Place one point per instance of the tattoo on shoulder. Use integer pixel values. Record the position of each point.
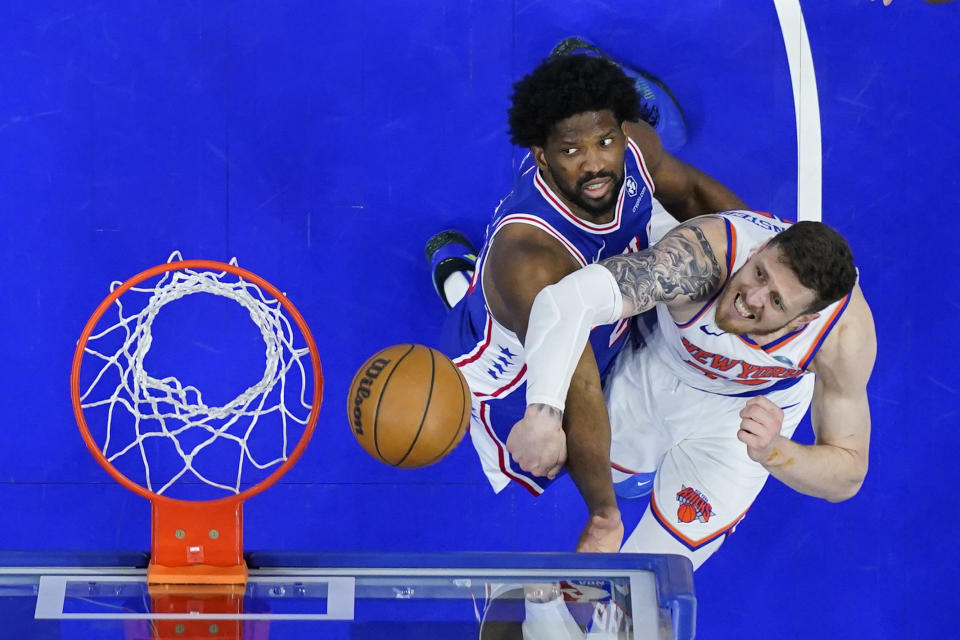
(681, 264)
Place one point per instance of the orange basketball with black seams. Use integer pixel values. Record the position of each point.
(408, 405)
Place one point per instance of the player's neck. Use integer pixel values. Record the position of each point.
(767, 338)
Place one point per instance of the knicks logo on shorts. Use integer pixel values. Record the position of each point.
(693, 506)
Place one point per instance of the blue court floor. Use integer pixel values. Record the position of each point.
(322, 145)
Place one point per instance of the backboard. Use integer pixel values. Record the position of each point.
(353, 596)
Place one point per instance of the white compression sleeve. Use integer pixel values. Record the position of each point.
(560, 322)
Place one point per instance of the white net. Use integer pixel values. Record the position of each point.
(164, 422)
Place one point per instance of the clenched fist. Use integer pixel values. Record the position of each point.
(538, 443)
(760, 422)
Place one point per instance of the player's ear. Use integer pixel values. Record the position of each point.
(540, 157)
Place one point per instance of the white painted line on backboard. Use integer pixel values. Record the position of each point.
(51, 598)
(807, 110)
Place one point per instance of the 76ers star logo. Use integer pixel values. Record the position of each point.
(693, 506)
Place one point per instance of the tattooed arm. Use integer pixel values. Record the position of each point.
(682, 270)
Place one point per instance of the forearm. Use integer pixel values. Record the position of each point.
(560, 322)
(588, 439)
(820, 470)
(705, 195)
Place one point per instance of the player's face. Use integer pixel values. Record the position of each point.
(763, 297)
(583, 161)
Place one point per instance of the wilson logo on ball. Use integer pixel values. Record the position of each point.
(408, 405)
(363, 391)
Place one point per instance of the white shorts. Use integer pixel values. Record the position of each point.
(705, 481)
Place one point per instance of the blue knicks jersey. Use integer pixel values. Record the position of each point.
(489, 355)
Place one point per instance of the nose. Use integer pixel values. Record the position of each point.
(756, 297)
(592, 161)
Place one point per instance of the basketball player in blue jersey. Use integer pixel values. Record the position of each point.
(757, 320)
(586, 195)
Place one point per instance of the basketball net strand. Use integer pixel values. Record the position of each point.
(178, 408)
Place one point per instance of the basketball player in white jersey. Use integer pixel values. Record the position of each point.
(757, 320)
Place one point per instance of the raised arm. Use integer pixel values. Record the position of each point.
(685, 268)
(833, 468)
(683, 190)
(521, 262)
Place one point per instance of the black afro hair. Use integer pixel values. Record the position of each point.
(565, 86)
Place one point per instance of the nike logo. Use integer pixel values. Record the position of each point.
(707, 331)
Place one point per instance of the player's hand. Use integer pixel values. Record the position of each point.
(760, 422)
(603, 534)
(538, 443)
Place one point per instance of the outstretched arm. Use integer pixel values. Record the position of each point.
(522, 261)
(682, 189)
(587, 427)
(680, 268)
(833, 468)
(686, 267)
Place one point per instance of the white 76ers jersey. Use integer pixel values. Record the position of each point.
(709, 359)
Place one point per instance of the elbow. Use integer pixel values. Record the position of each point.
(848, 487)
(850, 470)
(845, 493)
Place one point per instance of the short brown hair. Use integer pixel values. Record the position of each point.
(821, 258)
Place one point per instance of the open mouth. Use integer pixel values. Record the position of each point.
(741, 308)
(597, 188)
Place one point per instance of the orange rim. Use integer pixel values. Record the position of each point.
(212, 266)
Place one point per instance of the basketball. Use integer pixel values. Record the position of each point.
(408, 405)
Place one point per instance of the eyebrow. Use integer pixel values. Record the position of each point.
(610, 133)
(570, 142)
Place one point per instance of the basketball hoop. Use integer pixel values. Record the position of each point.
(195, 541)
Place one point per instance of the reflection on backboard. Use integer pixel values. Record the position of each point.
(353, 596)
